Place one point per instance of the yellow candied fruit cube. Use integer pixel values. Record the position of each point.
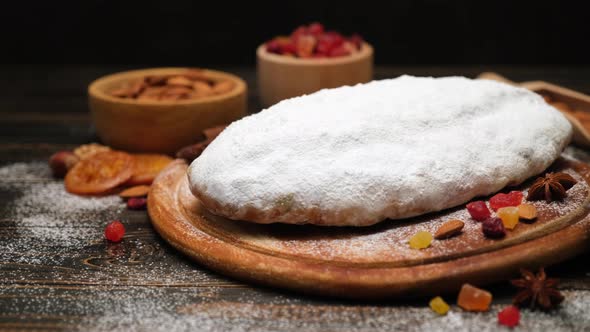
(509, 216)
(420, 240)
(439, 306)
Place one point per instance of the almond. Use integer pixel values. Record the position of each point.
(180, 81)
(196, 75)
(223, 87)
(527, 211)
(202, 89)
(449, 229)
(137, 191)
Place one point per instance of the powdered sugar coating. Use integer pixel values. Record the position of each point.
(387, 149)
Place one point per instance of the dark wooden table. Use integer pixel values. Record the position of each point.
(57, 273)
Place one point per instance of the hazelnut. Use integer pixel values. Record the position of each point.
(61, 162)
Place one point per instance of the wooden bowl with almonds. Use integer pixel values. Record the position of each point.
(163, 109)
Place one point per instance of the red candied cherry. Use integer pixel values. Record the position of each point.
(509, 316)
(478, 210)
(114, 231)
(316, 29)
(513, 198)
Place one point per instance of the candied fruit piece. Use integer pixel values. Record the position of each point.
(114, 231)
(341, 50)
(439, 306)
(527, 211)
(493, 228)
(478, 210)
(509, 316)
(513, 198)
(305, 46)
(509, 216)
(137, 203)
(273, 46)
(316, 29)
(420, 240)
(472, 298)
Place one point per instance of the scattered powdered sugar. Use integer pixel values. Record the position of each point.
(151, 312)
(43, 213)
(54, 227)
(24, 172)
(387, 149)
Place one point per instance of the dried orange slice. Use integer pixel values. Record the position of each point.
(99, 173)
(147, 166)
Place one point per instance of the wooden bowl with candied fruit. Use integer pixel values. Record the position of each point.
(311, 58)
(163, 109)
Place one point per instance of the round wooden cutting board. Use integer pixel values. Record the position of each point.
(369, 262)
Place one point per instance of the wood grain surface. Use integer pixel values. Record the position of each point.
(144, 284)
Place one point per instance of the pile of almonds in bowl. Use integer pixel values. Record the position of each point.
(190, 85)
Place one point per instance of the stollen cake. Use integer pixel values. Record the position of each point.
(396, 148)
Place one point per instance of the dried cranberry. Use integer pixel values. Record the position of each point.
(478, 210)
(316, 29)
(513, 198)
(274, 46)
(357, 40)
(339, 51)
(510, 316)
(493, 228)
(114, 231)
(299, 32)
(137, 203)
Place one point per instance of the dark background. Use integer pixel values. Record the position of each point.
(201, 33)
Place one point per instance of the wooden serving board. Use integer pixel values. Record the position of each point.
(368, 262)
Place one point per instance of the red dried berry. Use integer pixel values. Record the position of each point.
(299, 32)
(478, 210)
(316, 29)
(493, 228)
(357, 40)
(339, 51)
(137, 203)
(509, 316)
(274, 46)
(513, 198)
(114, 231)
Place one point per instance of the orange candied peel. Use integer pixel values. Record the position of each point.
(472, 298)
(147, 167)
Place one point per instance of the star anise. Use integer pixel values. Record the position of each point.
(537, 290)
(552, 186)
